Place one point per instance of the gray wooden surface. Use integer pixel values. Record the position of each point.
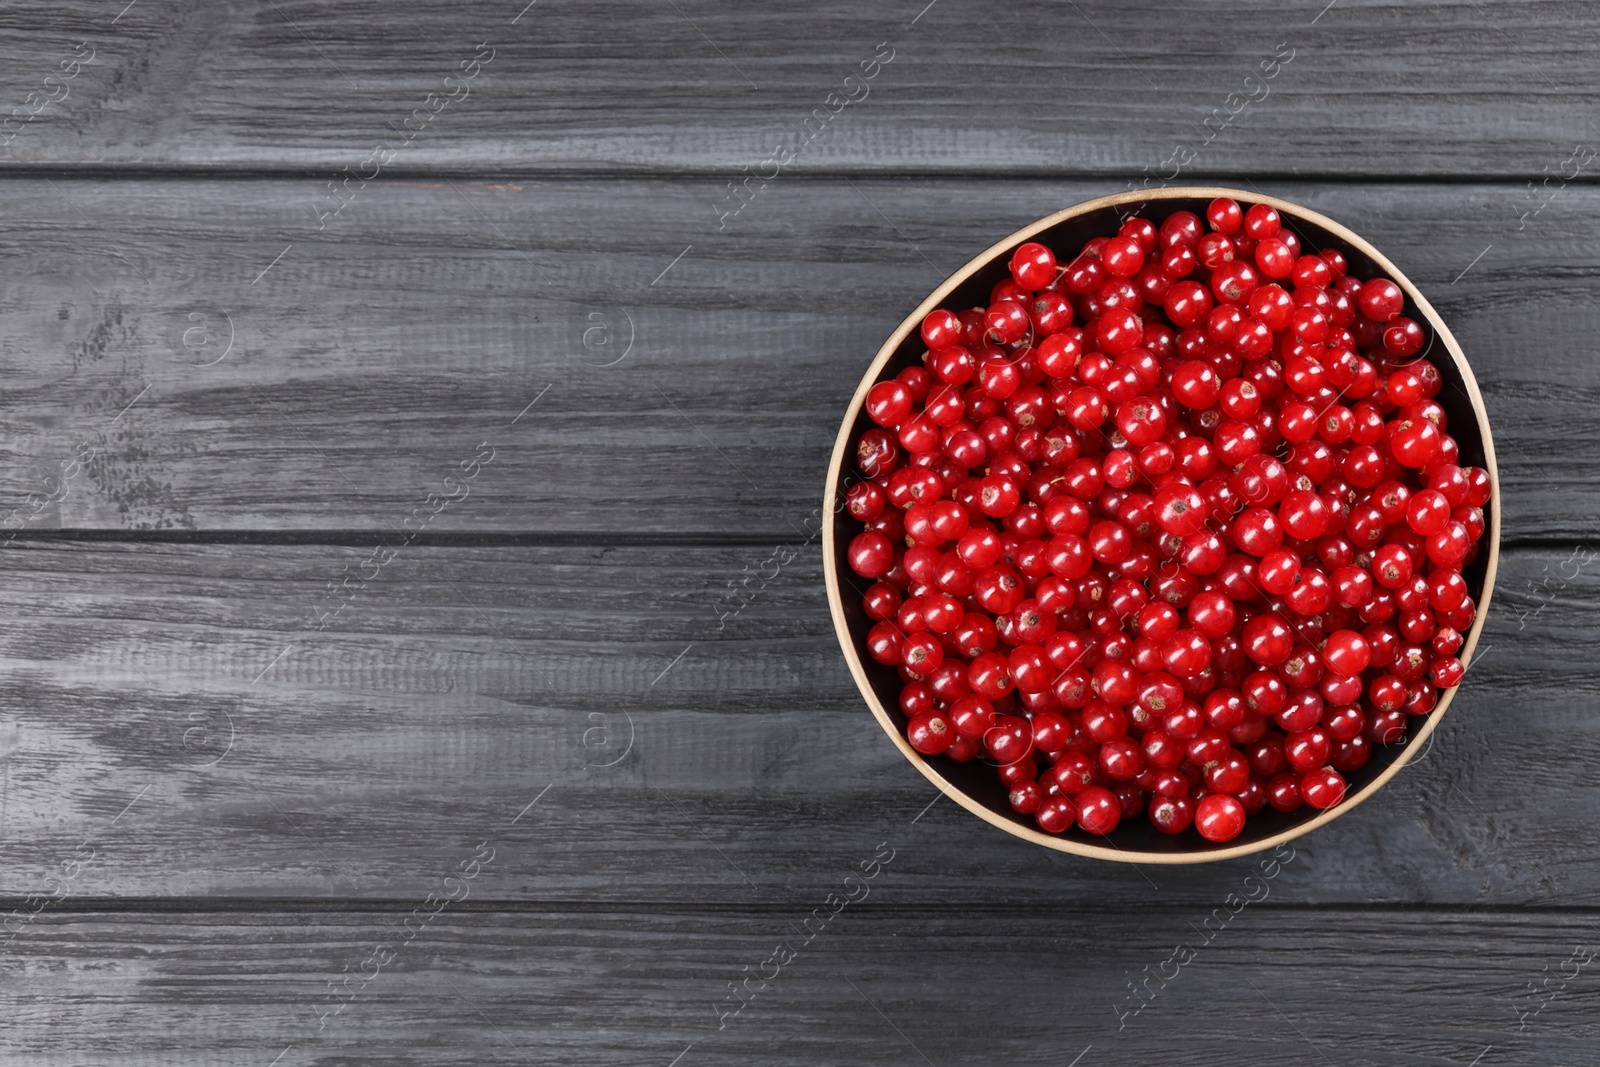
(374, 685)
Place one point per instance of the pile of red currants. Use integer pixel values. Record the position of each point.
(1176, 528)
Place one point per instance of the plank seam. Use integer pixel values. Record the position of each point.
(88, 907)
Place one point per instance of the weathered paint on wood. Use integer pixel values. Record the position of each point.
(1120, 91)
(878, 981)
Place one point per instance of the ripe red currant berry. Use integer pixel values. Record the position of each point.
(1033, 265)
(1171, 815)
(1141, 230)
(1052, 312)
(1058, 354)
(1391, 566)
(1262, 221)
(1346, 652)
(1230, 774)
(918, 434)
(989, 674)
(941, 329)
(870, 554)
(1051, 732)
(930, 733)
(1179, 228)
(1056, 814)
(1213, 250)
(1304, 515)
(1403, 338)
(881, 601)
(1187, 304)
(922, 653)
(1006, 321)
(1278, 571)
(1195, 384)
(1180, 509)
(1386, 727)
(1119, 330)
(942, 614)
(1446, 642)
(1260, 481)
(1141, 421)
(876, 453)
(1123, 257)
(1267, 640)
(1380, 300)
(1323, 788)
(972, 716)
(999, 589)
(1186, 653)
(1271, 305)
(1447, 672)
(865, 501)
(1283, 792)
(1009, 740)
(916, 698)
(1449, 547)
(1025, 797)
(1212, 614)
(889, 404)
(1256, 531)
(1421, 699)
(884, 642)
(1447, 591)
(1307, 749)
(1274, 258)
(1099, 810)
(1234, 281)
(1122, 759)
(954, 366)
(1427, 512)
(1239, 398)
(1219, 817)
(998, 496)
(1225, 215)
(1312, 272)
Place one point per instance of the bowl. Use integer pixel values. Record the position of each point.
(974, 785)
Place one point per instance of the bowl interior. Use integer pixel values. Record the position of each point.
(978, 780)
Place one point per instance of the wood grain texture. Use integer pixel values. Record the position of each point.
(688, 382)
(882, 984)
(1098, 88)
(669, 760)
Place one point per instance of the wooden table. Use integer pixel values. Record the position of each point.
(415, 648)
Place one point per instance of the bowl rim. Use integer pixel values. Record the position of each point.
(832, 497)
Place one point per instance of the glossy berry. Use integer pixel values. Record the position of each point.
(930, 733)
(1098, 810)
(1219, 818)
(1033, 266)
(1323, 788)
(1380, 300)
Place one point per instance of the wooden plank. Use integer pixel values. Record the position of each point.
(370, 361)
(882, 984)
(175, 708)
(1101, 88)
